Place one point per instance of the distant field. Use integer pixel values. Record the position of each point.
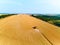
(55, 22)
(50, 19)
(5, 15)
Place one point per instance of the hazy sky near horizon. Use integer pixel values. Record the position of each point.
(30, 6)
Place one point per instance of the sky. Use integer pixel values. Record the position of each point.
(30, 6)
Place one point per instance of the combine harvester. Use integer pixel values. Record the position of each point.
(26, 30)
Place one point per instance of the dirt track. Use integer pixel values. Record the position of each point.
(17, 30)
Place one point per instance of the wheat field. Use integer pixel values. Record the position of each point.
(18, 30)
